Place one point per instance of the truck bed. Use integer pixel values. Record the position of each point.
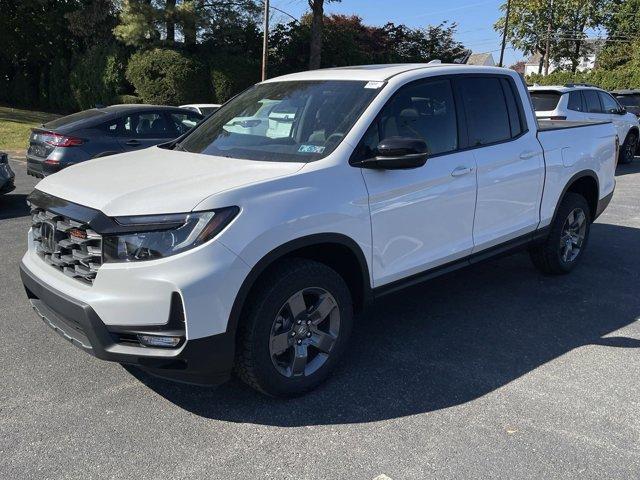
(546, 125)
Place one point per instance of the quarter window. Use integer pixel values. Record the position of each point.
(515, 118)
(486, 109)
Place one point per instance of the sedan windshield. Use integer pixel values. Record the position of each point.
(297, 121)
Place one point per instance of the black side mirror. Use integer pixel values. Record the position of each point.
(622, 111)
(398, 153)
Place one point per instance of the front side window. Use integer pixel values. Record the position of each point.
(609, 105)
(486, 109)
(298, 121)
(592, 101)
(424, 110)
(183, 122)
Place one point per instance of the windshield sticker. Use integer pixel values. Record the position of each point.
(310, 149)
(374, 85)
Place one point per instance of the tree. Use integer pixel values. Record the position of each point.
(317, 23)
(558, 26)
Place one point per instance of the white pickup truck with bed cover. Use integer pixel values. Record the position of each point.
(252, 250)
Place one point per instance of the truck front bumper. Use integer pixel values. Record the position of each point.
(202, 361)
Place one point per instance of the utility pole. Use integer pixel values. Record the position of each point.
(265, 41)
(504, 34)
(547, 52)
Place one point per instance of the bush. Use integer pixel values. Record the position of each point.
(623, 77)
(162, 76)
(232, 77)
(97, 76)
(129, 99)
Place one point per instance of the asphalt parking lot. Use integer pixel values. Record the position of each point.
(492, 372)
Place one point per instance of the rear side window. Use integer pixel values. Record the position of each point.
(545, 101)
(515, 117)
(592, 101)
(575, 102)
(146, 125)
(486, 109)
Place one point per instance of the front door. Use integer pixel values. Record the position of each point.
(423, 217)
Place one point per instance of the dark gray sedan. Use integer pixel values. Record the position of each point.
(99, 132)
(6, 175)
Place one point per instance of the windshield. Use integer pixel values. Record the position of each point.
(282, 121)
(629, 100)
(545, 101)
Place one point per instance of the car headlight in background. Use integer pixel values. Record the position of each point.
(165, 235)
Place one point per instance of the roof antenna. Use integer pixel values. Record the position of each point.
(435, 62)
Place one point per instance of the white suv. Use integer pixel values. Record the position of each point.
(583, 102)
(253, 246)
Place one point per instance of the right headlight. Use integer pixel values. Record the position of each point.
(165, 235)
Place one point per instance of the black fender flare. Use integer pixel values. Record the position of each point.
(572, 180)
(285, 249)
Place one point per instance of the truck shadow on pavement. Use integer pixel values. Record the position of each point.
(452, 340)
(628, 169)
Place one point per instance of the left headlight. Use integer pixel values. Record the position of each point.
(159, 236)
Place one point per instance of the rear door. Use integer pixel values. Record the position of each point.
(510, 164)
(593, 106)
(145, 129)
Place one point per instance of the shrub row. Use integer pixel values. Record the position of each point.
(108, 75)
(623, 77)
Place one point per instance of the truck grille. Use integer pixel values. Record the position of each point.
(70, 246)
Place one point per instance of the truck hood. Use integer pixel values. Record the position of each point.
(155, 181)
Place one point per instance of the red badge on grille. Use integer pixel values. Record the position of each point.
(77, 233)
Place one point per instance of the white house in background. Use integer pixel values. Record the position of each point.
(482, 59)
(586, 63)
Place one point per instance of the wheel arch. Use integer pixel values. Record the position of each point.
(585, 183)
(338, 251)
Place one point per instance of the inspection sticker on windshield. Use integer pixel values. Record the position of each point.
(310, 149)
(374, 85)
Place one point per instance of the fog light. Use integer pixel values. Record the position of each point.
(158, 341)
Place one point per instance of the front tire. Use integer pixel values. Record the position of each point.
(561, 251)
(629, 148)
(295, 329)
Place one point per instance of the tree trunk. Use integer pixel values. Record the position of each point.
(169, 14)
(315, 54)
(575, 61)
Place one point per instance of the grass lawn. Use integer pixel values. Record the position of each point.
(16, 125)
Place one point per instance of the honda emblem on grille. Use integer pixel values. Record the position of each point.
(48, 237)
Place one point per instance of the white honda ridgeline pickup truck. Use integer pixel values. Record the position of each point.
(250, 243)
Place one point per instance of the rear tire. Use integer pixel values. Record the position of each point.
(629, 148)
(295, 329)
(561, 251)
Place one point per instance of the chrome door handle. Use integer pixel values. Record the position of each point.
(458, 172)
(528, 155)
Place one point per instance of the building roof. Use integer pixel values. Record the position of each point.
(480, 59)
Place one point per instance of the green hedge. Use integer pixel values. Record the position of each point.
(169, 77)
(607, 79)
